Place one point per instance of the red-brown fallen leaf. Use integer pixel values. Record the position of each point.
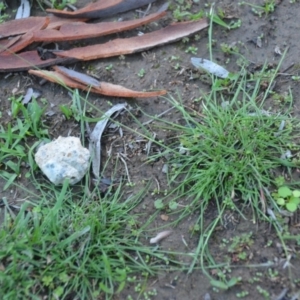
(7, 43)
(57, 22)
(22, 42)
(118, 47)
(110, 89)
(80, 30)
(24, 28)
(77, 31)
(21, 26)
(28, 60)
(104, 88)
(27, 38)
(101, 9)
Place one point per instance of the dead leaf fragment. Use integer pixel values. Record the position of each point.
(77, 76)
(171, 33)
(259, 42)
(102, 9)
(76, 31)
(210, 67)
(65, 78)
(30, 94)
(23, 10)
(277, 50)
(105, 88)
(21, 26)
(22, 42)
(95, 137)
(164, 217)
(8, 43)
(81, 30)
(27, 38)
(28, 60)
(160, 236)
(57, 22)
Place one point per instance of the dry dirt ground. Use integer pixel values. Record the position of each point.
(279, 28)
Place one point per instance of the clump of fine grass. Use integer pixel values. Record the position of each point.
(226, 152)
(25, 123)
(69, 247)
(231, 151)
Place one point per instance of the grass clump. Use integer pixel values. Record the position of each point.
(17, 135)
(66, 247)
(228, 152)
(224, 155)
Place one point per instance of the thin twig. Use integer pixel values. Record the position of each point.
(158, 116)
(149, 144)
(109, 151)
(184, 241)
(125, 164)
(157, 183)
(170, 285)
(144, 13)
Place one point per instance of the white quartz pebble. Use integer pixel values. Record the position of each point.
(63, 158)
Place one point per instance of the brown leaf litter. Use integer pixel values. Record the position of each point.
(16, 35)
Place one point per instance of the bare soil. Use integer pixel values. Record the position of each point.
(278, 29)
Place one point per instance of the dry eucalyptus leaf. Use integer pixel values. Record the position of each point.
(95, 137)
(210, 67)
(23, 10)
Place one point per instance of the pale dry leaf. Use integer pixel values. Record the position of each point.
(277, 50)
(259, 42)
(164, 217)
(210, 67)
(160, 236)
(95, 137)
(23, 10)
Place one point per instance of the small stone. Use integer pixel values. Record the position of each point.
(165, 169)
(63, 158)
(207, 296)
